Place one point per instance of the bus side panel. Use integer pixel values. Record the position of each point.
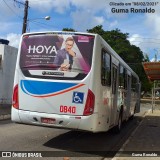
(100, 119)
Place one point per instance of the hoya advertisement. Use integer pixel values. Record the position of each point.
(57, 52)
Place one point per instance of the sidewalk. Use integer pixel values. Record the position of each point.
(144, 143)
(5, 112)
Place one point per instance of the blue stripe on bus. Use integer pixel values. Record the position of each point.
(41, 88)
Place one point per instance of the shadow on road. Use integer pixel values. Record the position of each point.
(95, 144)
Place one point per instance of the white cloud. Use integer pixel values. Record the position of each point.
(153, 22)
(135, 39)
(92, 4)
(113, 24)
(98, 20)
(147, 34)
(10, 26)
(149, 46)
(59, 6)
(14, 39)
(140, 42)
(154, 60)
(84, 13)
(144, 42)
(5, 26)
(10, 11)
(85, 19)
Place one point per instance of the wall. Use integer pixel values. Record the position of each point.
(7, 69)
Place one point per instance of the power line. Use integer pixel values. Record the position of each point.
(43, 25)
(11, 9)
(25, 19)
(39, 0)
(47, 25)
(21, 3)
(146, 42)
(145, 38)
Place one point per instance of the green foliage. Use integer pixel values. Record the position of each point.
(131, 54)
(97, 29)
(68, 29)
(146, 58)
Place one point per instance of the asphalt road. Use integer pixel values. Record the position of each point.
(65, 143)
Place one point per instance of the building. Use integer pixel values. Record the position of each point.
(8, 56)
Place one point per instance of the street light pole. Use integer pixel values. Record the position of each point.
(25, 17)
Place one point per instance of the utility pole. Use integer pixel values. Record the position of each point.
(25, 17)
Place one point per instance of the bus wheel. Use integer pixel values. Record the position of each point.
(119, 125)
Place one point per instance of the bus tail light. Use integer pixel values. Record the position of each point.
(15, 101)
(89, 107)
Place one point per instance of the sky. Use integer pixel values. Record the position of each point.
(143, 28)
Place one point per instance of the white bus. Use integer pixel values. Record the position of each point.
(86, 86)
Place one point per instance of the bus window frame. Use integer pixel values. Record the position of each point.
(106, 81)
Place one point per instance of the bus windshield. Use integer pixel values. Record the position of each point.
(57, 52)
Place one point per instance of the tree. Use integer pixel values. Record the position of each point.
(131, 54)
(97, 29)
(68, 29)
(146, 58)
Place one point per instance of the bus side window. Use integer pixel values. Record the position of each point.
(134, 83)
(105, 69)
(125, 79)
(121, 77)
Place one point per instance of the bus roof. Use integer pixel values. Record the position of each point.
(60, 32)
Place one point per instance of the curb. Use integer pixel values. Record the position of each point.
(128, 140)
